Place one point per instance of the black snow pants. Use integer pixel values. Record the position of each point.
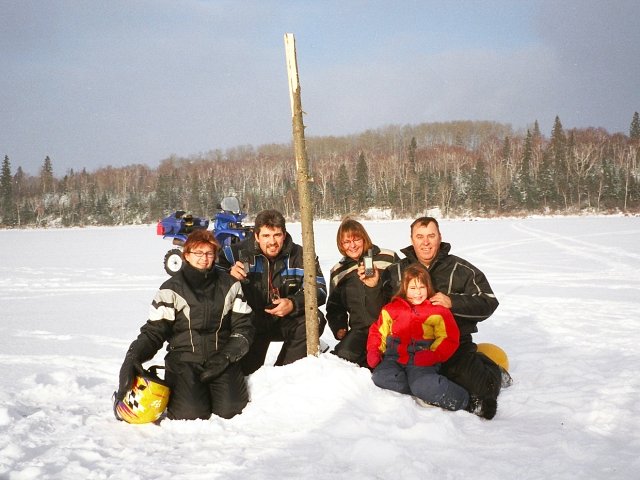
(473, 371)
(226, 396)
(353, 347)
(291, 331)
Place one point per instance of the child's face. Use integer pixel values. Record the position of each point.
(416, 292)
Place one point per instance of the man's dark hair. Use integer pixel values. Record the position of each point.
(424, 222)
(269, 218)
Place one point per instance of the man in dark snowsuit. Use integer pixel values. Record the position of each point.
(271, 269)
(463, 289)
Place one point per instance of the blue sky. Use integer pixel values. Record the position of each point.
(118, 82)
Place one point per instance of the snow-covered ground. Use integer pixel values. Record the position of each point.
(73, 299)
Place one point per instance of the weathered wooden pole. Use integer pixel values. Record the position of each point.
(304, 196)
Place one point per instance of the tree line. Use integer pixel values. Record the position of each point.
(461, 168)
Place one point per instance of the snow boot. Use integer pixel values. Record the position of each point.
(483, 407)
(422, 403)
(506, 380)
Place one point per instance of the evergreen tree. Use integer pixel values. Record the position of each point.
(343, 190)
(46, 176)
(527, 184)
(361, 184)
(8, 205)
(332, 209)
(103, 210)
(166, 198)
(559, 166)
(537, 135)
(571, 182)
(478, 192)
(545, 184)
(458, 140)
(506, 149)
(634, 129)
(411, 155)
(558, 141)
(608, 182)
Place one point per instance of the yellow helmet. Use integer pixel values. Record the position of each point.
(146, 401)
(495, 353)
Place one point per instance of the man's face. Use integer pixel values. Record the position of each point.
(426, 242)
(270, 240)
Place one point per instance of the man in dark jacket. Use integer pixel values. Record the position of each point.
(271, 269)
(463, 289)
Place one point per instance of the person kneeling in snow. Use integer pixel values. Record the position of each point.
(409, 341)
(271, 267)
(202, 314)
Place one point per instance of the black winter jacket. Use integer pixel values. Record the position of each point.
(200, 314)
(352, 304)
(285, 273)
(472, 299)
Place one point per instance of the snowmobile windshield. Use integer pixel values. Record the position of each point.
(230, 204)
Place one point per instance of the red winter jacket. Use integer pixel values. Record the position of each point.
(422, 334)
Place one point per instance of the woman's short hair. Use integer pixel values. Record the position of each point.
(201, 236)
(353, 228)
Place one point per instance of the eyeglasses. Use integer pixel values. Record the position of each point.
(202, 254)
(354, 240)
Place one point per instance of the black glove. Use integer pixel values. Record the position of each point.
(131, 368)
(213, 368)
(236, 347)
(139, 351)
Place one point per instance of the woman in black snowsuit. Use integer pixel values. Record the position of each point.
(355, 300)
(202, 314)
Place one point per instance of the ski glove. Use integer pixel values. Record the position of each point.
(236, 348)
(131, 368)
(140, 351)
(213, 368)
(374, 357)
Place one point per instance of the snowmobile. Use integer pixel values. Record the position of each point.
(227, 227)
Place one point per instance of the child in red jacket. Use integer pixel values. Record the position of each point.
(409, 341)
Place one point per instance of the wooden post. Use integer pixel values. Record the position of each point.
(304, 196)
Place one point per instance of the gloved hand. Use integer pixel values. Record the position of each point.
(131, 367)
(424, 358)
(374, 357)
(213, 368)
(140, 350)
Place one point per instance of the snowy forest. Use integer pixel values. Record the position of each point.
(475, 168)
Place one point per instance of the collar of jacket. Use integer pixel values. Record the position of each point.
(196, 277)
